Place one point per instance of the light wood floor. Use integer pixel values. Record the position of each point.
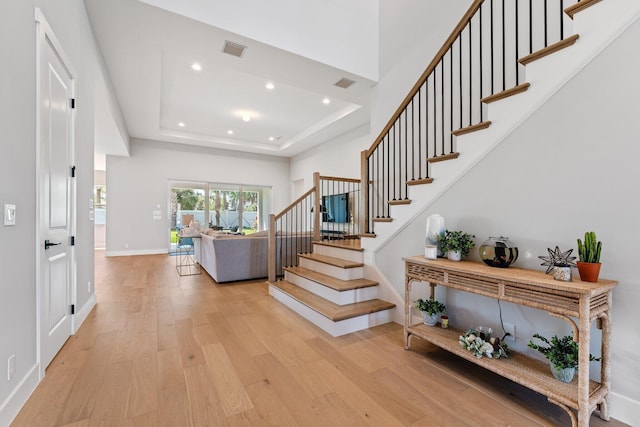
(183, 351)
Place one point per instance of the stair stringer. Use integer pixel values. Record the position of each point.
(597, 26)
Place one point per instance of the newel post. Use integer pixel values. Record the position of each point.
(317, 218)
(364, 192)
(272, 248)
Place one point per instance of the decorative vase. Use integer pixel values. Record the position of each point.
(454, 255)
(435, 228)
(498, 252)
(562, 274)
(589, 271)
(430, 319)
(565, 375)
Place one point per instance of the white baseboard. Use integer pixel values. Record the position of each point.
(82, 314)
(18, 397)
(624, 409)
(138, 252)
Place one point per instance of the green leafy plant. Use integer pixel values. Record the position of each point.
(591, 249)
(493, 349)
(562, 352)
(456, 241)
(430, 305)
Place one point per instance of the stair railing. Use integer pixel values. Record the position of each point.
(483, 56)
(330, 209)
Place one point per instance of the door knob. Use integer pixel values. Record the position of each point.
(48, 244)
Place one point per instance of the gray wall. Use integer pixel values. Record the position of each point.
(138, 185)
(571, 167)
(18, 172)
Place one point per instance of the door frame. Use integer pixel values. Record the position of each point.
(44, 33)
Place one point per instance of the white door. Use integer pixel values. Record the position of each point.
(55, 199)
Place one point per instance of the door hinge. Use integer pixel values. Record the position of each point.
(73, 171)
(73, 309)
(73, 103)
(72, 241)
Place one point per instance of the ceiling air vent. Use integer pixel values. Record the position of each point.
(344, 83)
(232, 48)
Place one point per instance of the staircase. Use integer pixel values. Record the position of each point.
(328, 288)
(435, 136)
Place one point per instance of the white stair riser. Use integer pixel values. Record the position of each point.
(331, 270)
(335, 329)
(336, 297)
(332, 251)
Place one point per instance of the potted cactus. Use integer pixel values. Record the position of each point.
(589, 253)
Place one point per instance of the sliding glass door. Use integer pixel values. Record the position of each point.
(229, 207)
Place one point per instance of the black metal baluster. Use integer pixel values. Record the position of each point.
(413, 140)
(420, 160)
(491, 33)
(470, 76)
(561, 19)
(504, 57)
(530, 27)
(442, 102)
(460, 80)
(517, 47)
(480, 40)
(546, 29)
(406, 150)
(435, 92)
(393, 161)
(451, 97)
(383, 202)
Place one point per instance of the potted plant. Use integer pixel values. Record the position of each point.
(559, 263)
(431, 309)
(456, 244)
(589, 253)
(562, 354)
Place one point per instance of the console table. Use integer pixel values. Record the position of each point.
(578, 300)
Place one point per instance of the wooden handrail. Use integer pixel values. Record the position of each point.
(335, 178)
(432, 65)
(292, 205)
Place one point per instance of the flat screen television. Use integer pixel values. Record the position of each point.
(335, 208)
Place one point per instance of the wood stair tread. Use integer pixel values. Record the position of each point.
(569, 41)
(331, 282)
(382, 219)
(472, 128)
(399, 202)
(443, 157)
(328, 309)
(336, 262)
(579, 7)
(348, 244)
(523, 87)
(420, 181)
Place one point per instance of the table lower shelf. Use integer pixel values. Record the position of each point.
(519, 368)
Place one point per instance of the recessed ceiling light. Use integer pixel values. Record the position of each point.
(181, 124)
(271, 138)
(195, 66)
(269, 86)
(246, 117)
(230, 132)
(326, 101)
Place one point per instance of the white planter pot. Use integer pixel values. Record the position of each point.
(430, 319)
(454, 255)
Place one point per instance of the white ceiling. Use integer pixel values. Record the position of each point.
(149, 52)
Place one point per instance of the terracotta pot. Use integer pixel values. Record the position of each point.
(589, 271)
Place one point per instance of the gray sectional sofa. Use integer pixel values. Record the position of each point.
(229, 257)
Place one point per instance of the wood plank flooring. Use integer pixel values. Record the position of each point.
(164, 350)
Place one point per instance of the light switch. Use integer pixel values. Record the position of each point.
(9, 214)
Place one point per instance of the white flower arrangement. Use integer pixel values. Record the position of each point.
(492, 349)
